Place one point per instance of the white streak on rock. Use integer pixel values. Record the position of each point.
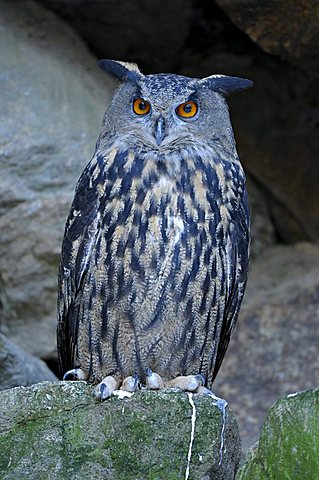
(292, 395)
(221, 404)
(190, 399)
(122, 394)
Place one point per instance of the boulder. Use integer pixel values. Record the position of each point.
(59, 428)
(18, 367)
(53, 97)
(289, 441)
(290, 31)
(274, 349)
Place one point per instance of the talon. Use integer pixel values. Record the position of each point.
(189, 383)
(102, 393)
(105, 388)
(75, 373)
(130, 384)
(153, 380)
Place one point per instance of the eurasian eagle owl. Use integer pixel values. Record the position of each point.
(155, 252)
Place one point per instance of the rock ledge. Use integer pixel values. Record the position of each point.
(59, 428)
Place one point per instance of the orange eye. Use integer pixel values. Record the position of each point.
(141, 106)
(187, 109)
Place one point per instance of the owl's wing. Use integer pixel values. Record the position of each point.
(236, 258)
(80, 236)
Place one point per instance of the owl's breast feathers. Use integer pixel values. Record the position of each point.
(160, 247)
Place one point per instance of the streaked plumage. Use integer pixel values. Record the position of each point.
(155, 253)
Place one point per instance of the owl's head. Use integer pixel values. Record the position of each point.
(165, 112)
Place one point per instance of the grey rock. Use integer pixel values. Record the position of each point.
(53, 98)
(18, 367)
(59, 428)
(289, 441)
(274, 349)
(292, 33)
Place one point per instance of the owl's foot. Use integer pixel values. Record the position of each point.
(105, 388)
(153, 380)
(109, 384)
(188, 383)
(130, 384)
(75, 374)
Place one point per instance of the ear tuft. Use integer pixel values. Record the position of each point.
(226, 85)
(123, 71)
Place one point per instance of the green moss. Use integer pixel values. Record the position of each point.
(289, 443)
(28, 444)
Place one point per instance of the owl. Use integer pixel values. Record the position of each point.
(155, 252)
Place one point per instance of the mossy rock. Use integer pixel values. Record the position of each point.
(288, 448)
(58, 430)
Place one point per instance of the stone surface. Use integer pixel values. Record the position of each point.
(61, 429)
(145, 32)
(289, 443)
(274, 349)
(288, 29)
(18, 367)
(53, 98)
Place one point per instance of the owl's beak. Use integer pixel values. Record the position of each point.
(159, 132)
